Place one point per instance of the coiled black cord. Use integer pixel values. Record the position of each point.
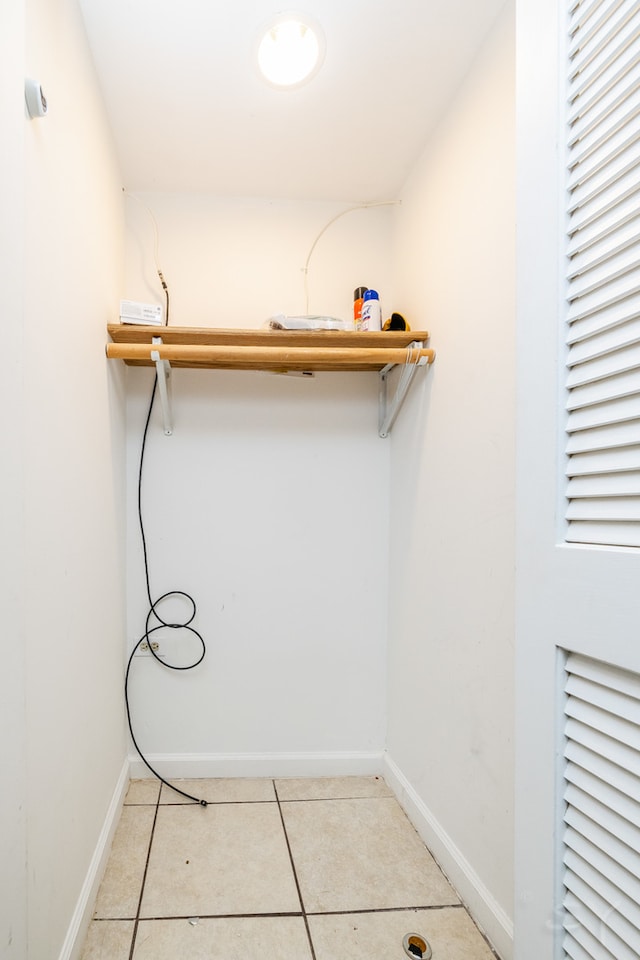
(153, 614)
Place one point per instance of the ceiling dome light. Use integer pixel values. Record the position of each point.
(291, 51)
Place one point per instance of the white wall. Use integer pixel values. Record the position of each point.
(73, 478)
(269, 503)
(236, 262)
(13, 878)
(452, 494)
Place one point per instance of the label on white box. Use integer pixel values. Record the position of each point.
(131, 311)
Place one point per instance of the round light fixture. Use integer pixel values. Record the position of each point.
(291, 51)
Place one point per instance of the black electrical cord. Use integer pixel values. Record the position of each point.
(153, 604)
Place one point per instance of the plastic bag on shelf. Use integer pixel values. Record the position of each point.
(281, 322)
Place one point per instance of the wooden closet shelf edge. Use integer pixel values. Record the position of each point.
(134, 333)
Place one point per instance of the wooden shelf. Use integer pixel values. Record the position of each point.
(263, 349)
(278, 351)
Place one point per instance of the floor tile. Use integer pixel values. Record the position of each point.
(361, 854)
(221, 859)
(119, 892)
(332, 788)
(451, 934)
(108, 940)
(236, 790)
(244, 938)
(143, 791)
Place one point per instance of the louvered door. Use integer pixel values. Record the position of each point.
(604, 273)
(602, 818)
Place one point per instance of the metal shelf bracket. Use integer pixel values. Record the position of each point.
(231, 349)
(163, 374)
(388, 409)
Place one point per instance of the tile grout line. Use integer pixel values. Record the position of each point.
(332, 799)
(225, 916)
(223, 803)
(216, 803)
(295, 875)
(367, 910)
(144, 876)
(294, 913)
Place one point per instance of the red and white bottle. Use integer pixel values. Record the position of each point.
(358, 300)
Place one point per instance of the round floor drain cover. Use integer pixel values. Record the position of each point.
(416, 946)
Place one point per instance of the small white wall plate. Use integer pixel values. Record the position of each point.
(36, 100)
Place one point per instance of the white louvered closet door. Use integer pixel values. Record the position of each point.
(577, 606)
(602, 836)
(604, 273)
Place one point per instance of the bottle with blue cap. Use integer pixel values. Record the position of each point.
(371, 313)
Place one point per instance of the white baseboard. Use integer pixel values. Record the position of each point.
(485, 910)
(77, 930)
(205, 765)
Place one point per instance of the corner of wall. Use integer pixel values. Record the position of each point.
(452, 603)
(81, 917)
(492, 920)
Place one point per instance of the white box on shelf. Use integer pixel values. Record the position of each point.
(131, 311)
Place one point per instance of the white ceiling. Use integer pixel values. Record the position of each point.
(191, 113)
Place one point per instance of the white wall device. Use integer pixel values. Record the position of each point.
(36, 100)
(131, 311)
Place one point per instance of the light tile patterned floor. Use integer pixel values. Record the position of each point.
(325, 869)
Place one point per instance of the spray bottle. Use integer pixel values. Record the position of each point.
(371, 314)
(358, 295)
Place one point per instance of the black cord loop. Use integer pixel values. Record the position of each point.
(161, 623)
